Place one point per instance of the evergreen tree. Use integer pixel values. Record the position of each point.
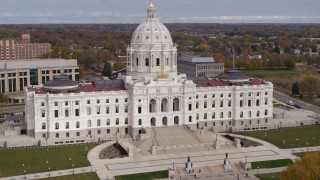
(295, 89)
(107, 69)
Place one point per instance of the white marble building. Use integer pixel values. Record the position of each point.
(152, 94)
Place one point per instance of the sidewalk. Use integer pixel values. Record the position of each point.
(52, 174)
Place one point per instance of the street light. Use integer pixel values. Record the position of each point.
(73, 169)
(313, 141)
(24, 172)
(307, 146)
(258, 171)
(49, 171)
(172, 165)
(297, 142)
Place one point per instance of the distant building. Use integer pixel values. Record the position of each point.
(16, 74)
(196, 66)
(22, 49)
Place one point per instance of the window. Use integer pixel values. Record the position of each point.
(241, 114)
(108, 131)
(214, 124)
(229, 114)
(205, 105)
(78, 124)
(249, 94)
(77, 103)
(249, 103)
(88, 111)
(158, 62)
(266, 93)
(197, 117)
(257, 102)
(258, 113)
(229, 103)
(56, 113)
(126, 121)
(42, 104)
(88, 101)
(125, 99)
(98, 110)
(229, 95)
(266, 112)
(67, 125)
(221, 123)
(89, 123)
(43, 125)
(266, 101)
(190, 118)
(57, 135)
(137, 61)
(117, 121)
(213, 95)
(197, 105)
(197, 96)
(213, 116)
(221, 95)
(57, 126)
(77, 112)
(43, 113)
(117, 109)
(241, 103)
(99, 131)
(139, 110)
(258, 121)
(107, 100)
(66, 103)
(107, 110)
(98, 101)
(67, 134)
(190, 107)
(108, 122)
(205, 96)
(126, 109)
(116, 100)
(221, 115)
(78, 133)
(147, 62)
(241, 94)
(140, 122)
(205, 116)
(249, 114)
(221, 103)
(44, 135)
(66, 112)
(258, 94)
(213, 104)
(55, 103)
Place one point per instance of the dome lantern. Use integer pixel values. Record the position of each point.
(151, 10)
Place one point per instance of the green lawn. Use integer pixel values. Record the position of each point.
(287, 138)
(83, 176)
(271, 164)
(285, 74)
(270, 176)
(144, 176)
(34, 159)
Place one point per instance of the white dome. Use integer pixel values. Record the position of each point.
(152, 31)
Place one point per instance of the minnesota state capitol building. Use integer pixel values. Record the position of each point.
(151, 94)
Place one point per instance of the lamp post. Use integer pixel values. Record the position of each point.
(49, 171)
(24, 172)
(172, 165)
(307, 146)
(72, 169)
(297, 142)
(86, 149)
(257, 171)
(246, 159)
(313, 141)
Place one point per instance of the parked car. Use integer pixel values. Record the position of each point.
(297, 106)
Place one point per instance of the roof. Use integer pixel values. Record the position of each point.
(60, 82)
(37, 63)
(196, 59)
(233, 75)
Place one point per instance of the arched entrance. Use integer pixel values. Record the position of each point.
(164, 121)
(176, 104)
(153, 121)
(164, 105)
(176, 120)
(152, 106)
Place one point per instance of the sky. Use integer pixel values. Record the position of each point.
(168, 11)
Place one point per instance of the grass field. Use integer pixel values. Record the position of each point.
(271, 164)
(144, 176)
(270, 176)
(287, 138)
(83, 176)
(265, 74)
(33, 160)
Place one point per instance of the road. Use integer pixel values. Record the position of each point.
(284, 98)
(12, 109)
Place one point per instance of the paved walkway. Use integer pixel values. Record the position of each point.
(51, 174)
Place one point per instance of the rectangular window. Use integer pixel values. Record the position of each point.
(55, 103)
(88, 101)
(213, 105)
(137, 61)
(107, 110)
(197, 105)
(229, 103)
(241, 103)
(98, 101)
(190, 107)
(229, 95)
(66, 112)
(57, 135)
(66, 103)
(126, 121)
(77, 102)
(99, 131)
(126, 109)
(117, 109)
(77, 112)
(43, 113)
(107, 100)
(108, 131)
(147, 62)
(205, 96)
(221, 103)
(67, 134)
(249, 103)
(88, 111)
(257, 102)
(158, 61)
(42, 104)
(98, 110)
(266, 101)
(205, 105)
(213, 95)
(78, 133)
(56, 113)
(139, 110)
(125, 99)
(241, 94)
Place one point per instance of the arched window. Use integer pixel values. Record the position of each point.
(213, 115)
(57, 125)
(176, 104)
(221, 115)
(258, 113)
(197, 117)
(89, 123)
(67, 125)
(241, 114)
(108, 122)
(98, 122)
(205, 116)
(152, 106)
(266, 112)
(78, 124)
(249, 114)
(43, 125)
(140, 122)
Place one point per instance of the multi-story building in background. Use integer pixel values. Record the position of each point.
(7, 49)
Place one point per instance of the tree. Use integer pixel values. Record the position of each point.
(295, 89)
(306, 168)
(118, 66)
(310, 86)
(6, 98)
(107, 70)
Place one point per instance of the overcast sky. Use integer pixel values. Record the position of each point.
(169, 11)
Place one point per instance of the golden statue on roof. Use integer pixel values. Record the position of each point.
(163, 75)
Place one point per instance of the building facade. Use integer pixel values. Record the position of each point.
(7, 49)
(196, 66)
(16, 74)
(152, 94)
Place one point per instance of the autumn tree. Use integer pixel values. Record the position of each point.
(118, 66)
(306, 168)
(310, 86)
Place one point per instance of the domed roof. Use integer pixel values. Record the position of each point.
(233, 76)
(60, 83)
(152, 31)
